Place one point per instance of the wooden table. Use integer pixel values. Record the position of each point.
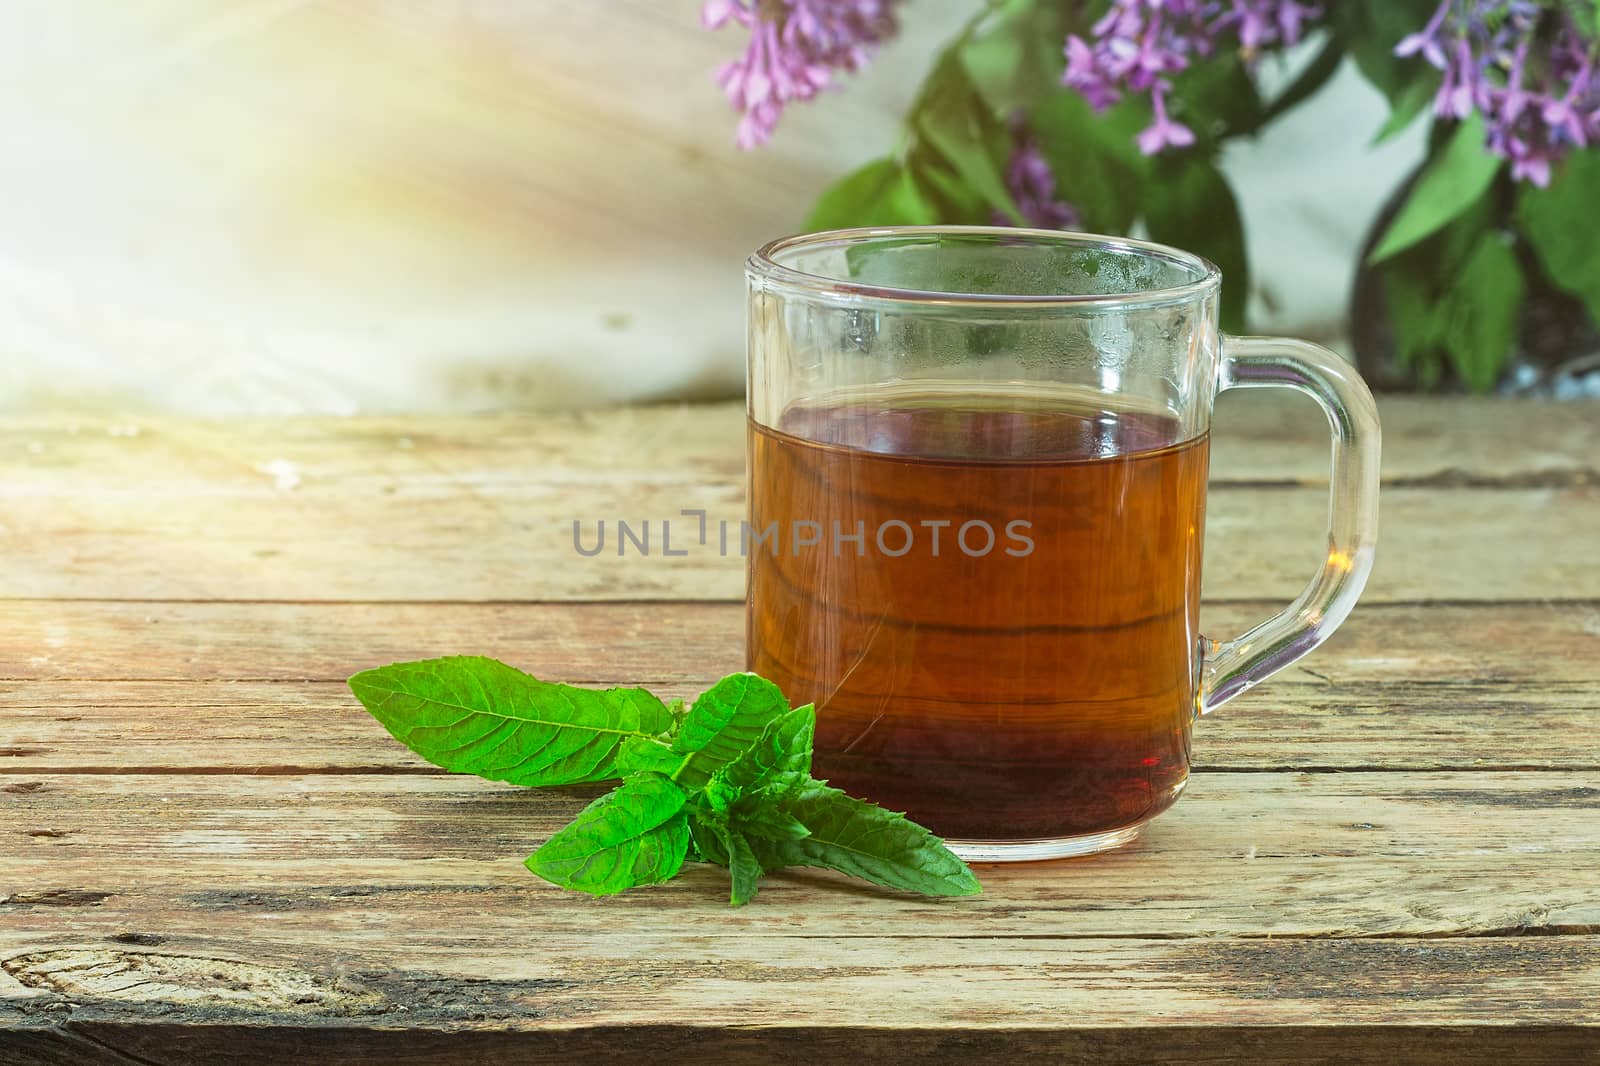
(209, 854)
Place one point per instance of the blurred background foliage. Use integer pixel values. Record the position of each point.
(1470, 279)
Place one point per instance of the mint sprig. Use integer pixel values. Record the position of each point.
(727, 781)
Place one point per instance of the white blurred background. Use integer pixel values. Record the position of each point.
(341, 206)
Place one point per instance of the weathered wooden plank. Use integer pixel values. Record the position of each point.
(690, 642)
(173, 686)
(376, 509)
(103, 1044)
(1260, 544)
(765, 999)
(1301, 721)
(1256, 437)
(1482, 442)
(271, 859)
(181, 912)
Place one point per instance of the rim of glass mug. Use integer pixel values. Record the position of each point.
(765, 265)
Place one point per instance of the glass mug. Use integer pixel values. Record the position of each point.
(977, 479)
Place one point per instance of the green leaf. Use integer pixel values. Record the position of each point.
(1309, 81)
(718, 795)
(637, 834)
(1416, 282)
(647, 755)
(777, 762)
(1191, 206)
(1482, 312)
(773, 823)
(1218, 99)
(1412, 101)
(955, 122)
(951, 199)
(479, 716)
(711, 835)
(783, 748)
(881, 193)
(745, 869)
(725, 720)
(1013, 54)
(844, 203)
(1450, 184)
(1562, 223)
(857, 838)
(1372, 28)
(1417, 319)
(1097, 163)
(1586, 13)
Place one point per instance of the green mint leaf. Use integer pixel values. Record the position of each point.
(1449, 185)
(725, 720)
(857, 838)
(636, 834)
(479, 716)
(719, 795)
(711, 835)
(745, 868)
(645, 755)
(772, 823)
(783, 748)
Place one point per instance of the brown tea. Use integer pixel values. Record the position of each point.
(991, 600)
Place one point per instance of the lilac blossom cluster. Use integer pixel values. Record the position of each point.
(796, 48)
(1140, 44)
(1530, 73)
(1032, 185)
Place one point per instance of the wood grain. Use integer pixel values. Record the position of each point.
(1495, 643)
(375, 509)
(258, 688)
(207, 849)
(1261, 438)
(1259, 545)
(875, 999)
(1241, 855)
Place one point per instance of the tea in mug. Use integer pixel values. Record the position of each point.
(992, 599)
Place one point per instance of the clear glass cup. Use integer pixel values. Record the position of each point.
(978, 462)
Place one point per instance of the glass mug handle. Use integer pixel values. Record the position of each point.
(1231, 666)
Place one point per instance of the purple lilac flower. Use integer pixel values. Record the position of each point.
(1530, 72)
(796, 48)
(1163, 132)
(1140, 44)
(1033, 185)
